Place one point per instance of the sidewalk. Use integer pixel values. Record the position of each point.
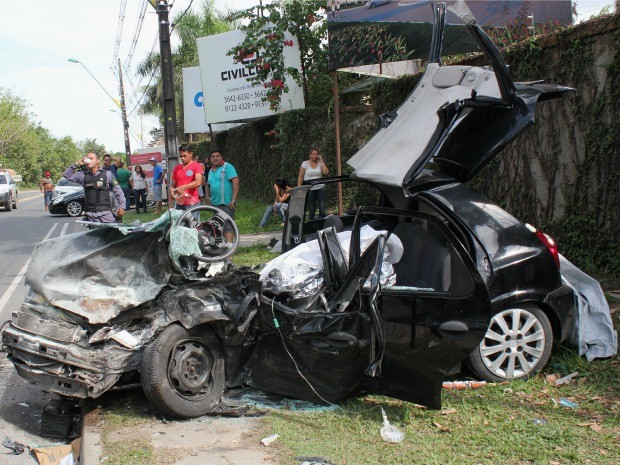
(246, 240)
(213, 440)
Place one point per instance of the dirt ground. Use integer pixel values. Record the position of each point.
(143, 437)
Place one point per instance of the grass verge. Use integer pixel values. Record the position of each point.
(247, 217)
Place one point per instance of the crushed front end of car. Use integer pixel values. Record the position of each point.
(97, 298)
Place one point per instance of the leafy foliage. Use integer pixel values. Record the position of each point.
(27, 147)
(372, 43)
(266, 35)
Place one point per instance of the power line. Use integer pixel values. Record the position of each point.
(182, 14)
(136, 36)
(119, 33)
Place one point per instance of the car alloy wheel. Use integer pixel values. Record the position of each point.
(74, 208)
(182, 372)
(517, 345)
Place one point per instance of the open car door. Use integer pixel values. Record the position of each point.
(435, 309)
(322, 351)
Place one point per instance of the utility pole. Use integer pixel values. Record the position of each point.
(124, 114)
(167, 78)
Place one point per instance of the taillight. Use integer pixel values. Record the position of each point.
(549, 243)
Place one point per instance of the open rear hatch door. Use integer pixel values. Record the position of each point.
(457, 117)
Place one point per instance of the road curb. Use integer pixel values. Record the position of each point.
(90, 449)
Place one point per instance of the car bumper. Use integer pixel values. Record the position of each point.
(57, 356)
(564, 302)
(58, 208)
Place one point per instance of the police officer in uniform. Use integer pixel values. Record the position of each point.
(97, 184)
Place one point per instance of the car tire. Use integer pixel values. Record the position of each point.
(15, 203)
(74, 208)
(9, 205)
(182, 372)
(507, 354)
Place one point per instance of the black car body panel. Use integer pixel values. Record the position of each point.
(58, 205)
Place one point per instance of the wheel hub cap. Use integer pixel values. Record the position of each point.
(189, 368)
(513, 344)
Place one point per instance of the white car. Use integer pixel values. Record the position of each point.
(374, 3)
(8, 191)
(64, 186)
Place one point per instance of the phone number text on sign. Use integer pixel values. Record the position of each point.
(244, 96)
(245, 106)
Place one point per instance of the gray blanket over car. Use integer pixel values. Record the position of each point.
(593, 333)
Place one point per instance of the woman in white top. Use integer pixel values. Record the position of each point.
(314, 168)
(140, 188)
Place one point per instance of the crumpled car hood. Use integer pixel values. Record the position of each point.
(99, 273)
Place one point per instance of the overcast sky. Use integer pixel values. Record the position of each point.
(39, 36)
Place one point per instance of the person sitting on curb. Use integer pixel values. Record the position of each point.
(282, 189)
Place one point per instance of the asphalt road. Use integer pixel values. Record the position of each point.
(21, 404)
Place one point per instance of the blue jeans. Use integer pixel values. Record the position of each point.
(140, 199)
(279, 208)
(187, 207)
(127, 193)
(314, 197)
(47, 197)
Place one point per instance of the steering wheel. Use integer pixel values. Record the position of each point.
(213, 245)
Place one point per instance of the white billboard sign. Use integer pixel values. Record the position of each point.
(193, 105)
(231, 96)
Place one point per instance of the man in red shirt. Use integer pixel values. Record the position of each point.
(186, 177)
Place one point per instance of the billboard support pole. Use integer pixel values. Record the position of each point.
(167, 77)
(337, 129)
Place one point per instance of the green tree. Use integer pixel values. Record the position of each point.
(188, 26)
(14, 122)
(28, 147)
(265, 34)
(91, 145)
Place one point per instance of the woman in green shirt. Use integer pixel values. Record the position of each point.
(122, 176)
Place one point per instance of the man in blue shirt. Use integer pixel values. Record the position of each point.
(223, 187)
(158, 180)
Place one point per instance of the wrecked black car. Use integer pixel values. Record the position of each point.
(387, 299)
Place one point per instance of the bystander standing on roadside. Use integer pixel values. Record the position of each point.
(140, 188)
(108, 164)
(223, 187)
(123, 175)
(96, 184)
(112, 168)
(46, 185)
(186, 177)
(314, 168)
(202, 188)
(158, 181)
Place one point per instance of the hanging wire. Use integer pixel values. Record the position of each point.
(119, 35)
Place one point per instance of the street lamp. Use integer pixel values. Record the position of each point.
(73, 60)
(119, 103)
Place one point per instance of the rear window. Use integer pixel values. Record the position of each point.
(66, 182)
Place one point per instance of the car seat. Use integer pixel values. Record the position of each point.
(425, 261)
